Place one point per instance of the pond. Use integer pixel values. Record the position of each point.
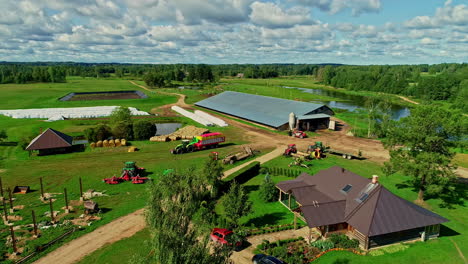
(350, 102)
(166, 128)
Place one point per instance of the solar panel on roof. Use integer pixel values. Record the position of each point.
(362, 198)
(346, 189)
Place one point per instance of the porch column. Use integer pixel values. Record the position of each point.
(289, 201)
(295, 221)
(280, 195)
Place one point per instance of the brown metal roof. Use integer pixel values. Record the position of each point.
(50, 139)
(381, 212)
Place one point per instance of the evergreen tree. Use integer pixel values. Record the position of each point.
(236, 203)
(268, 191)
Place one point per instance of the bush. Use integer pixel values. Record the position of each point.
(143, 130)
(123, 130)
(323, 245)
(342, 241)
(268, 191)
(279, 252)
(121, 114)
(263, 170)
(102, 132)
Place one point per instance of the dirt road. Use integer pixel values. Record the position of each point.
(116, 230)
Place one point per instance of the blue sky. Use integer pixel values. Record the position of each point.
(235, 31)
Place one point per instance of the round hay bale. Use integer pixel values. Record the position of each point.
(132, 149)
(123, 142)
(99, 144)
(117, 142)
(105, 143)
(111, 143)
(92, 145)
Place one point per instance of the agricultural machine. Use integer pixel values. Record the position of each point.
(290, 150)
(298, 161)
(130, 172)
(317, 150)
(209, 140)
(232, 158)
(299, 134)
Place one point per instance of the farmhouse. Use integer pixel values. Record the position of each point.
(338, 201)
(269, 111)
(51, 141)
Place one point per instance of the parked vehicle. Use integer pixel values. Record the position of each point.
(223, 236)
(209, 140)
(232, 158)
(264, 259)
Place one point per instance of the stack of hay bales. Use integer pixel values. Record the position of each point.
(187, 132)
(108, 143)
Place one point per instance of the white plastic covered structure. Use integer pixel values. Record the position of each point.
(192, 116)
(73, 112)
(215, 120)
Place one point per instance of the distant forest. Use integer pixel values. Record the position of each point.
(448, 81)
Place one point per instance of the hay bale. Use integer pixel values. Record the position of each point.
(105, 143)
(117, 142)
(99, 144)
(111, 143)
(132, 149)
(92, 145)
(123, 142)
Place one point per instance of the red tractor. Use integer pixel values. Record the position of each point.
(113, 180)
(299, 134)
(290, 150)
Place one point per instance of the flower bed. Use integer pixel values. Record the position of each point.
(298, 251)
(271, 229)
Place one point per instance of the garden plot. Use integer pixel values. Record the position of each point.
(112, 95)
(60, 113)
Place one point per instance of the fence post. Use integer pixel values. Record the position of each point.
(10, 197)
(66, 201)
(51, 211)
(81, 190)
(5, 211)
(34, 223)
(42, 188)
(13, 239)
(1, 188)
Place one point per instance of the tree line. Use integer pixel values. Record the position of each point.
(448, 82)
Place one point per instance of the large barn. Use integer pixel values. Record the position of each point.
(338, 201)
(269, 111)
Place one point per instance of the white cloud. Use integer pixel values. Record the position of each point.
(357, 7)
(272, 16)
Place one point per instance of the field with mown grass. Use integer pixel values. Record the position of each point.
(92, 165)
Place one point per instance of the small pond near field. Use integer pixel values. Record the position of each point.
(350, 102)
(166, 128)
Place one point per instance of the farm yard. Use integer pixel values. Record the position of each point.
(92, 165)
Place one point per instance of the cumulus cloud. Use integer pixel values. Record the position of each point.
(357, 7)
(272, 16)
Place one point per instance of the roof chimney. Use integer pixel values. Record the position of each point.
(375, 179)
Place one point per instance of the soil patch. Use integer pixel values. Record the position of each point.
(112, 95)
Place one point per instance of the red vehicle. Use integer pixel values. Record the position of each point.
(113, 180)
(223, 236)
(299, 134)
(290, 150)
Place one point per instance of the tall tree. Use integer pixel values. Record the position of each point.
(420, 147)
(174, 239)
(268, 191)
(121, 114)
(213, 172)
(236, 203)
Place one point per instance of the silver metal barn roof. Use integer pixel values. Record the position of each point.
(265, 110)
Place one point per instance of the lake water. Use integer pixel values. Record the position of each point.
(351, 102)
(166, 128)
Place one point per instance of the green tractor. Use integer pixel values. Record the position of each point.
(317, 150)
(184, 147)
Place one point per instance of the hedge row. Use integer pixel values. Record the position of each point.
(267, 244)
(283, 171)
(245, 174)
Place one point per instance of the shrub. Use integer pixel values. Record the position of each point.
(323, 245)
(102, 132)
(268, 191)
(143, 130)
(279, 252)
(120, 114)
(123, 130)
(263, 170)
